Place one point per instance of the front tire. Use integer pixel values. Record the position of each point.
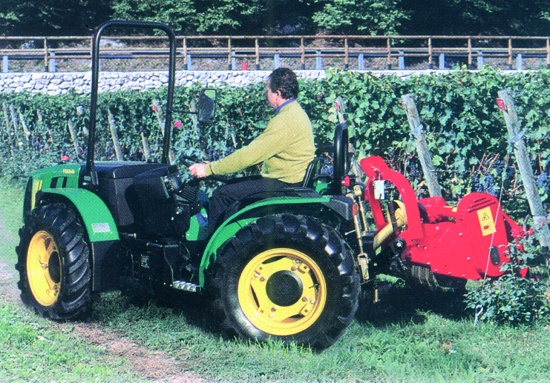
(287, 277)
(53, 263)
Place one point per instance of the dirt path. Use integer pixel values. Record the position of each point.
(8, 287)
(155, 366)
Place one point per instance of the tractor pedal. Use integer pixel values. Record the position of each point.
(186, 286)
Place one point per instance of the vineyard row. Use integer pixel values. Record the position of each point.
(465, 130)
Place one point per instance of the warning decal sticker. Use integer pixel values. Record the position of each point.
(486, 221)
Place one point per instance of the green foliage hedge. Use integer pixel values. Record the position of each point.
(511, 298)
(465, 129)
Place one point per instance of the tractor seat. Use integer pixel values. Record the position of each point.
(313, 168)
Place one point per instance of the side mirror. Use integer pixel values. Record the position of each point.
(206, 105)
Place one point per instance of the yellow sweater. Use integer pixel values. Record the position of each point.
(285, 148)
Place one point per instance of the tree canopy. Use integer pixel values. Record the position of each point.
(272, 17)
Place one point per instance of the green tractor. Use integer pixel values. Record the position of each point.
(290, 267)
(279, 268)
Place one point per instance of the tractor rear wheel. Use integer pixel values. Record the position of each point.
(53, 263)
(289, 278)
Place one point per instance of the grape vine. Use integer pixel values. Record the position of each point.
(464, 128)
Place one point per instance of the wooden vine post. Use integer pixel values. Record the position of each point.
(145, 144)
(506, 104)
(74, 137)
(15, 122)
(114, 136)
(24, 125)
(421, 146)
(8, 130)
(157, 109)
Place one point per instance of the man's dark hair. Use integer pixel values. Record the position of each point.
(285, 81)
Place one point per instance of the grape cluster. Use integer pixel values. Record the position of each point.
(493, 178)
(543, 181)
(547, 165)
(414, 172)
(484, 184)
(507, 173)
(327, 168)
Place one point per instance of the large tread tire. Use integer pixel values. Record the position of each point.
(289, 278)
(54, 263)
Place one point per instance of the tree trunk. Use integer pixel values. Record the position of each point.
(421, 146)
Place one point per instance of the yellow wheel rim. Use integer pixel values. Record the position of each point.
(282, 291)
(44, 268)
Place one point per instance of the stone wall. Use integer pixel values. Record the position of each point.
(57, 83)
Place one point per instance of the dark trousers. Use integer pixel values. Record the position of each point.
(224, 199)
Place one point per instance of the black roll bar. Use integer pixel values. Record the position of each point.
(90, 174)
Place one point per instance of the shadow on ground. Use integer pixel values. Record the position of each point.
(406, 304)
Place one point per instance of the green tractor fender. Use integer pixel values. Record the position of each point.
(340, 206)
(102, 233)
(62, 181)
(98, 220)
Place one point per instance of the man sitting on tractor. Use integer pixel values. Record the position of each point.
(285, 148)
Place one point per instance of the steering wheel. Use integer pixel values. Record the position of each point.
(190, 160)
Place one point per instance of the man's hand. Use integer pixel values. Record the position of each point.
(198, 170)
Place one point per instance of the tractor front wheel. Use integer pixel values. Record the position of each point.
(53, 263)
(290, 278)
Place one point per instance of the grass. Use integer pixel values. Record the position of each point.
(35, 350)
(38, 350)
(427, 347)
(419, 341)
(11, 200)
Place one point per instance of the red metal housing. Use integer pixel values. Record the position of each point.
(468, 241)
